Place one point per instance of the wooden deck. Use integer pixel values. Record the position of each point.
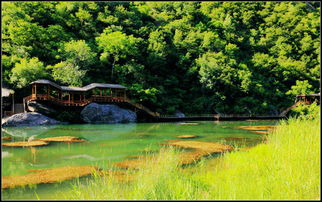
(218, 117)
(155, 115)
(93, 98)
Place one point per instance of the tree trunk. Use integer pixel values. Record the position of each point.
(112, 74)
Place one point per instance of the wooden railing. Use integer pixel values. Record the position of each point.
(93, 98)
(56, 100)
(142, 107)
(189, 116)
(104, 99)
(284, 113)
(218, 116)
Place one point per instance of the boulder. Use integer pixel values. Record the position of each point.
(179, 114)
(40, 108)
(28, 119)
(105, 113)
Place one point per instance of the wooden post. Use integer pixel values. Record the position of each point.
(101, 92)
(48, 90)
(13, 103)
(68, 97)
(36, 90)
(111, 92)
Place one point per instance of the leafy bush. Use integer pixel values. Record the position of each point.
(68, 116)
(304, 111)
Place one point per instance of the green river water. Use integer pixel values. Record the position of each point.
(106, 143)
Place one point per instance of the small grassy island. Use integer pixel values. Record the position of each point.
(160, 101)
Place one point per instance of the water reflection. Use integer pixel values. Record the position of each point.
(91, 132)
(24, 133)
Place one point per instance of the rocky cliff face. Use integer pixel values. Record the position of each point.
(105, 113)
(28, 119)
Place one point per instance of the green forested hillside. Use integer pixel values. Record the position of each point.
(196, 57)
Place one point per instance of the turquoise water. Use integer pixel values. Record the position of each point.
(106, 143)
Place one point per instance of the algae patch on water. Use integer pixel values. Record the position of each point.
(201, 149)
(43, 141)
(185, 158)
(51, 175)
(6, 138)
(256, 128)
(118, 175)
(62, 139)
(186, 136)
(206, 147)
(25, 144)
(135, 163)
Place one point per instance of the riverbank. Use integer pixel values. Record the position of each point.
(286, 167)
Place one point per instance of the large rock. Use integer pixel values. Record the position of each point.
(34, 106)
(104, 113)
(179, 114)
(28, 119)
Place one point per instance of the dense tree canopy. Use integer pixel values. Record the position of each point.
(196, 57)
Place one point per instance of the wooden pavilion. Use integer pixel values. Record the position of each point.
(76, 96)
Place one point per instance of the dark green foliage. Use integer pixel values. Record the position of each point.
(305, 111)
(196, 57)
(67, 116)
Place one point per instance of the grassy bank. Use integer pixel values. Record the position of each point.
(287, 167)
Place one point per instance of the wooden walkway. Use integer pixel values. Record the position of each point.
(84, 102)
(286, 111)
(217, 117)
(156, 116)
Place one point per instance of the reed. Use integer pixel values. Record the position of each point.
(287, 166)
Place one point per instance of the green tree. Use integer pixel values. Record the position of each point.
(67, 73)
(300, 88)
(26, 71)
(78, 53)
(116, 46)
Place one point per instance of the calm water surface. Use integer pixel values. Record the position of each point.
(106, 143)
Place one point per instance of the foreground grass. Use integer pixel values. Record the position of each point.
(287, 167)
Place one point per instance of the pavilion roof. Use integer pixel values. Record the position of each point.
(310, 95)
(85, 88)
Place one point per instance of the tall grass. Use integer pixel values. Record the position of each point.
(286, 167)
